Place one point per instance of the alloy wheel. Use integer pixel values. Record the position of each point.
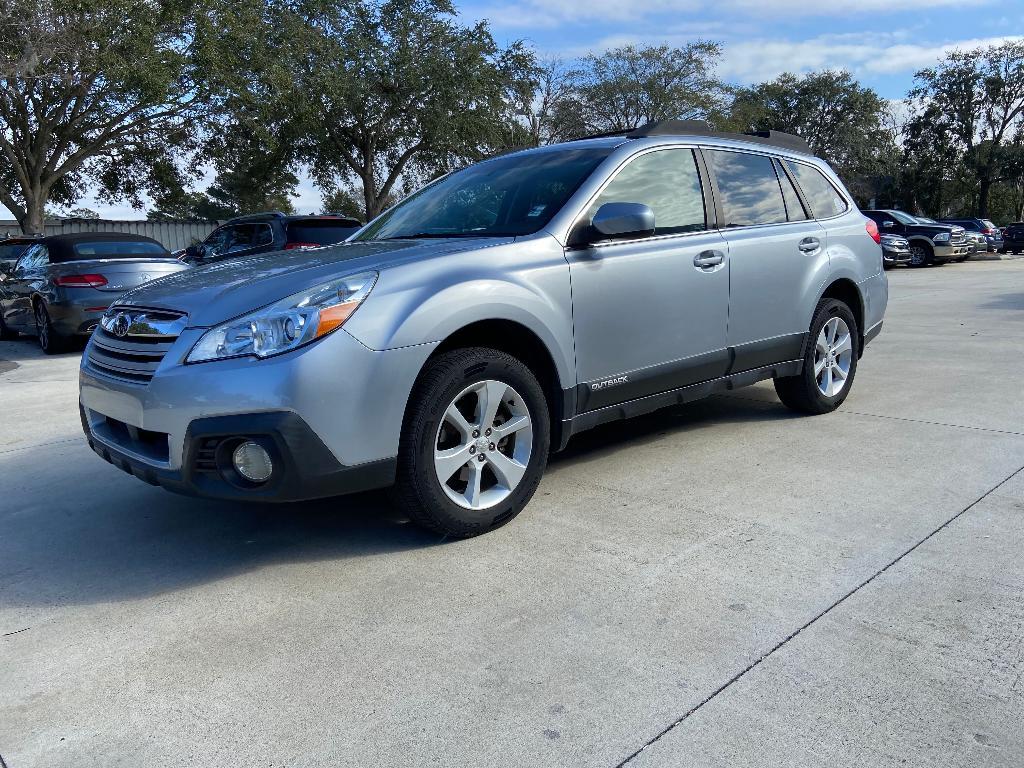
(833, 355)
(483, 444)
(918, 256)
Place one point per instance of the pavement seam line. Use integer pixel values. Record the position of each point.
(679, 721)
(848, 412)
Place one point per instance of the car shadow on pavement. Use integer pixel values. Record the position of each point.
(1005, 301)
(75, 530)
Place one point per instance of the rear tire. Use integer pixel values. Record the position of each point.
(455, 416)
(51, 342)
(818, 388)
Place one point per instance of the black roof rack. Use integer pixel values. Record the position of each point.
(702, 128)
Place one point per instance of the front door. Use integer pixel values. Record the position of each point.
(650, 312)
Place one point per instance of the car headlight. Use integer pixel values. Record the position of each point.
(288, 324)
(942, 237)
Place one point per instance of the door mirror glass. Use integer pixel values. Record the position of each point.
(623, 219)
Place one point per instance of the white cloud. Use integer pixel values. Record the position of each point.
(750, 61)
(548, 14)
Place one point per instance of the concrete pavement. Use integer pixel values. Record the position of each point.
(720, 584)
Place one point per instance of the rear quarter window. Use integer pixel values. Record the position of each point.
(825, 200)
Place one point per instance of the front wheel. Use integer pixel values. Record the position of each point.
(830, 362)
(474, 444)
(921, 255)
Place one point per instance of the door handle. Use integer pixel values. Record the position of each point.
(706, 259)
(809, 244)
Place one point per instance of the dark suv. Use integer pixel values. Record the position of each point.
(1013, 238)
(265, 232)
(991, 232)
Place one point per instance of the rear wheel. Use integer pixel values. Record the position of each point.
(474, 444)
(830, 362)
(50, 341)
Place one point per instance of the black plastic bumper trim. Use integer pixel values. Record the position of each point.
(304, 467)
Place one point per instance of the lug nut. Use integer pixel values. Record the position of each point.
(476, 433)
(472, 449)
(491, 446)
(488, 432)
(481, 457)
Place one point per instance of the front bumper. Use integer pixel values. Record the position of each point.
(304, 468)
(948, 252)
(330, 412)
(891, 258)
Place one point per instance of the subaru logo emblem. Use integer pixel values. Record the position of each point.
(120, 325)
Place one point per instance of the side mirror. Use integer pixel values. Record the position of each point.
(614, 220)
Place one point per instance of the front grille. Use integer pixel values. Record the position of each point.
(206, 455)
(136, 355)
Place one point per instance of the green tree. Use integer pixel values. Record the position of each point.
(629, 86)
(844, 122)
(104, 92)
(386, 91)
(976, 99)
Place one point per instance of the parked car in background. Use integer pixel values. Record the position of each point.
(1013, 238)
(62, 285)
(993, 236)
(930, 243)
(487, 318)
(266, 232)
(895, 250)
(11, 249)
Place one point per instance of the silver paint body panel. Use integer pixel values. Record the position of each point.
(603, 312)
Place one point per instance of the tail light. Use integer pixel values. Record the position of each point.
(294, 246)
(81, 281)
(872, 230)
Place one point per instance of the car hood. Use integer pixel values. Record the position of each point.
(220, 291)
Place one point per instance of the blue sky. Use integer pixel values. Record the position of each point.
(882, 42)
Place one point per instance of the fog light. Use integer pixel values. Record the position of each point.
(252, 462)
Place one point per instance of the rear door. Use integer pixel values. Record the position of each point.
(650, 312)
(775, 252)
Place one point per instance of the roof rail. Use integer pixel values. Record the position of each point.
(702, 128)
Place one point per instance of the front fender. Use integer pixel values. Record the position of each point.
(416, 305)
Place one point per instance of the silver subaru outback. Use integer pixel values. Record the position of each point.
(464, 334)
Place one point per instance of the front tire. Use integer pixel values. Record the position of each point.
(830, 362)
(474, 444)
(921, 254)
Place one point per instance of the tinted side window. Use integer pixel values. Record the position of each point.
(794, 208)
(748, 187)
(668, 182)
(325, 232)
(824, 199)
(251, 236)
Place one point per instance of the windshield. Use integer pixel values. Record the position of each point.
(12, 251)
(902, 218)
(507, 196)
